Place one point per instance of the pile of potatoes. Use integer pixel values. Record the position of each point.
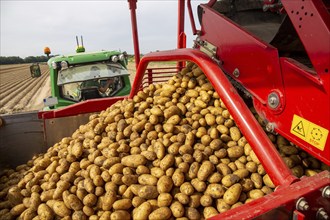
(173, 151)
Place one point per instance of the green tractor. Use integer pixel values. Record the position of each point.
(86, 75)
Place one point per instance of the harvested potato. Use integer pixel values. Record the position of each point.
(172, 151)
(160, 213)
(232, 194)
(142, 212)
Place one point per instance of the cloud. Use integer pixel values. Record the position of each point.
(28, 26)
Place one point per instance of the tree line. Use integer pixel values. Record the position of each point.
(19, 60)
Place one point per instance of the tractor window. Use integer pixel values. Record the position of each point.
(89, 89)
(90, 72)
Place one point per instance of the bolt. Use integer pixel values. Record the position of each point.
(302, 204)
(322, 214)
(273, 100)
(270, 127)
(236, 72)
(326, 192)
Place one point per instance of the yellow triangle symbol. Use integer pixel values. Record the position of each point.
(299, 128)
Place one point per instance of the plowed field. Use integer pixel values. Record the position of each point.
(20, 92)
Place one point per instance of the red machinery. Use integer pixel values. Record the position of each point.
(276, 53)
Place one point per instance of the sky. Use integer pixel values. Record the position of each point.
(29, 26)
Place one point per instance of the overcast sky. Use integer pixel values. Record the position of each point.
(29, 26)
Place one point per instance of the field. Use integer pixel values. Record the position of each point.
(19, 91)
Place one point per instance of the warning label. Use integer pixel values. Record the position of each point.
(309, 132)
(299, 129)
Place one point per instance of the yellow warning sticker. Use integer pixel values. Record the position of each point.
(309, 132)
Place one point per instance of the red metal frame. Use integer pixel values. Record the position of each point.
(253, 132)
(281, 203)
(88, 106)
(303, 91)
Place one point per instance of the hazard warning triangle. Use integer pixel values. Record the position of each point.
(299, 128)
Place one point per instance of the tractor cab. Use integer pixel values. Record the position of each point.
(87, 75)
(96, 80)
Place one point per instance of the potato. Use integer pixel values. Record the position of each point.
(182, 198)
(255, 194)
(28, 214)
(222, 206)
(232, 194)
(148, 192)
(178, 177)
(142, 212)
(108, 200)
(164, 184)
(147, 179)
(79, 215)
(177, 209)
(45, 212)
(199, 185)
(192, 213)
(268, 182)
(167, 162)
(224, 169)
(205, 170)
(209, 211)
(133, 160)
(241, 173)
(235, 151)
(75, 202)
(257, 180)
(235, 133)
(122, 204)
(215, 190)
(160, 213)
(60, 209)
(17, 210)
(90, 200)
(164, 200)
(120, 215)
(230, 180)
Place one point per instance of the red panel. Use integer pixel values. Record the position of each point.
(303, 92)
(307, 96)
(88, 106)
(257, 61)
(311, 20)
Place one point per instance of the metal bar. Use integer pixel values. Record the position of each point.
(88, 106)
(191, 16)
(211, 3)
(181, 23)
(150, 76)
(245, 120)
(181, 34)
(132, 7)
(283, 198)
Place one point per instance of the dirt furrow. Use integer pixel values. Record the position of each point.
(8, 71)
(4, 69)
(5, 84)
(20, 93)
(11, 83)
(12, 75)
(26, 99)
(11, 88)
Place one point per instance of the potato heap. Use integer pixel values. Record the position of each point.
(171, 151)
